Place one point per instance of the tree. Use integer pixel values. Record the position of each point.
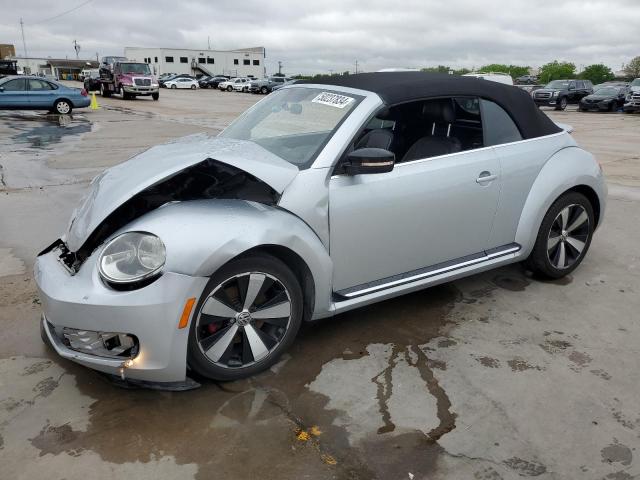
(597, 73)
(633, 69)
(438, 69)
(514, 70)
(556, 70)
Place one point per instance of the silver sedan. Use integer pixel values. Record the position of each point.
(207, 254)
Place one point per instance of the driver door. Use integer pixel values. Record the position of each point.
(421, 214)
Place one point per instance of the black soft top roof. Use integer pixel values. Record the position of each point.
(401, 87)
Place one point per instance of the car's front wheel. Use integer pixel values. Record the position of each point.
(264, 90)
(562, 103)
(247, 316)
(564, 236)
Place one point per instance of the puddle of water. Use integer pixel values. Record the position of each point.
(213, 426)
(38, 130)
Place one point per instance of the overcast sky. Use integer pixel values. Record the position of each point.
(329, 35)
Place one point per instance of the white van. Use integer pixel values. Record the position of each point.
(493, 76)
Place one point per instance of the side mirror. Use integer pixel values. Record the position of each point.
(369, 160)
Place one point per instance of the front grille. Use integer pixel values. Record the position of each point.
(142, 82)
(543, 95)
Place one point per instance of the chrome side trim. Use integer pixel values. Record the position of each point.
(432, 271)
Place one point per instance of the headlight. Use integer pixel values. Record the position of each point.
(154, 84)
(131, 257)
(555, 94)
(628, 97)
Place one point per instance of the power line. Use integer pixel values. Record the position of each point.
(63, 13)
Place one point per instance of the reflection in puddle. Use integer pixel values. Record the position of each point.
(39, 130)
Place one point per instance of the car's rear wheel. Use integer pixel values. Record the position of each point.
(174, 86)
(564, 236)
(264, 90)
(63, 107)
(193, 87)
(248, 315)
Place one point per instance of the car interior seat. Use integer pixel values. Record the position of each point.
(439, 115)
(378, 137)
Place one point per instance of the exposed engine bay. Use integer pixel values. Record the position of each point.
(205, 180)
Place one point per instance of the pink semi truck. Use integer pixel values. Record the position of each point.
(128, 79)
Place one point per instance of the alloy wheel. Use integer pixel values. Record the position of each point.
(243, 320)
(63, 107)
(568, 236)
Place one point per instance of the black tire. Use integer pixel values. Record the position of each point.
(229, 88)
(264, 90)
(545, 259)
(63, 107)
(174, 86)
(562, 103)
(235, 354)
(104, 92)
(613, 106)
(155, 96)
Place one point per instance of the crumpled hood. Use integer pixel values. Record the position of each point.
(118, 184)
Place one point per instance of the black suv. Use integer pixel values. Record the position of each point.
(560, 93)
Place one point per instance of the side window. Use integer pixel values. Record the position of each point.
(17, 85)
(579, 84)
(38, 85)
(572, 85)
(497, 125)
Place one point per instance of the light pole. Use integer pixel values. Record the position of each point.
(24, 43)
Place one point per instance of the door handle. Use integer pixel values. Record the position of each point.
(486, 177)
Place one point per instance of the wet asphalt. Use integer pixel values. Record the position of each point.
(497, 376)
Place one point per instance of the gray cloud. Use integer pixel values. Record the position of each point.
(331, 35)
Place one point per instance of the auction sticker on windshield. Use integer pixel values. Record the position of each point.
(333, 100)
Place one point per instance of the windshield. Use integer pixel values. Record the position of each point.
(608, 91)
(558, 84)
(636, 83)
(142, 68)
(294, 123)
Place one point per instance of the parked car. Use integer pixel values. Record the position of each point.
(560, 93)
(30, 92)
(229, 84)
(498, 77)
(624, 85)
(290, 82)
(89, 72)
(607, 99)
(213, 82)
(266, 85)
(174, 77)
(530, 88)
(182, 82)
(242, 86)
(212, 251)
(92, 82)
(632, 101)
(527, 80)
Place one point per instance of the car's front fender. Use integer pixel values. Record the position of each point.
(568, 168)
(202, 235)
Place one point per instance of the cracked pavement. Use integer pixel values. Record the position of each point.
(496, 376)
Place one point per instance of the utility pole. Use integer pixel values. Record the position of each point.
(97, 59)
(24, 43)
(279, 68)
(209, 41)
(76, 47)
(356, 66)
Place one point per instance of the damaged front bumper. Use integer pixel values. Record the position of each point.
(132, 334)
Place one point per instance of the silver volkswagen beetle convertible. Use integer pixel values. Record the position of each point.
(206, 254)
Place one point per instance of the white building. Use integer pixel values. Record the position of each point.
(244, 62)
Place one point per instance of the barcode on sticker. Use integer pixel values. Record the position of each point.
(333, 99)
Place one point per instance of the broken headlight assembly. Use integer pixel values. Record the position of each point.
(132, 259)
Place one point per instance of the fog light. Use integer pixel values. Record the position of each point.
(102, 344)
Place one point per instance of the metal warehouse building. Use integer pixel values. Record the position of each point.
(244, 62)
